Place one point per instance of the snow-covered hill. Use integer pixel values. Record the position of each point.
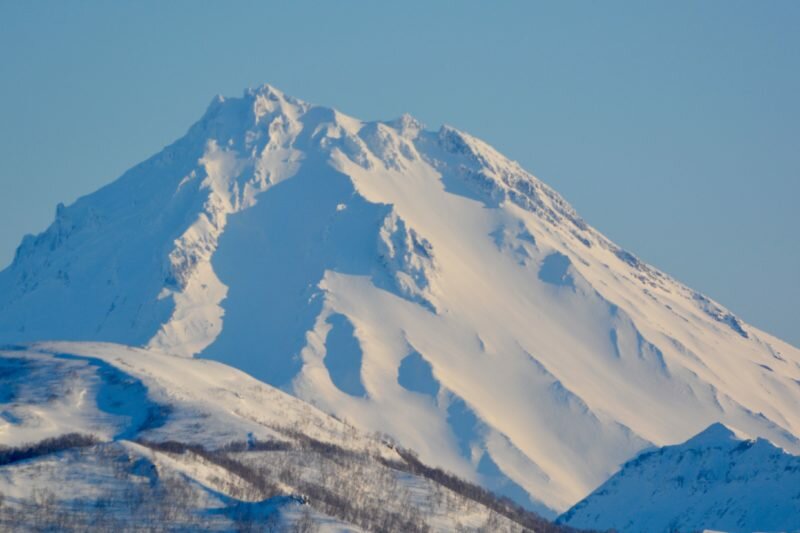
(119, 392)
(105, 437)
(412, 282)
(712, 481)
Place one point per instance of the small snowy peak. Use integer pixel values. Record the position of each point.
(712, 481)
(716, 435)
(256, 106)
(268, 100)
(407, 126)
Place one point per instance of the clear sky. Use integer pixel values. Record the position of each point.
(673, 127)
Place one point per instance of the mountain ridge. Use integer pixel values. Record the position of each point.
(713, 481)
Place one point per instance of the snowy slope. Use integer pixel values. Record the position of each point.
(712, 481)
(119, 392)
(412, 282)
(188, 445)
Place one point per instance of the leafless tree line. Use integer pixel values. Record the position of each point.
(358, 487)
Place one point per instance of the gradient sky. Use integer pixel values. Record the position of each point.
(673, 127)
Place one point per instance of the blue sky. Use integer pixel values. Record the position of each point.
(673, 127)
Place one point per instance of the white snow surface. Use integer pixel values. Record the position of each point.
(412, 282)
(119, 392)
(714, 480)
(130, 398)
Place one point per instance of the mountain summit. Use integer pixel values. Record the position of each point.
(714, 481)
(416, 283)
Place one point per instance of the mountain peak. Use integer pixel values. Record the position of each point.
(265, 89)
(717, 434)
(713, 481)
(225, 117)
(407, 125)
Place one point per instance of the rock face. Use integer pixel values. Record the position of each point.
(319, 253)
(712, 481)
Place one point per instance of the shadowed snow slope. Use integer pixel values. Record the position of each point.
(318, 253)
(712, 481)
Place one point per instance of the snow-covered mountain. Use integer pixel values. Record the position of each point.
(712, 481)
(412, 282)
(103, 437)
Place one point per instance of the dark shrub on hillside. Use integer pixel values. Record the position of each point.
(10, 455)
